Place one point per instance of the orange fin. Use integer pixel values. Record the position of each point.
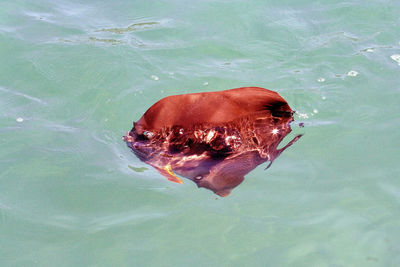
(167, 173)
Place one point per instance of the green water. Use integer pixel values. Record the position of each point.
(75, 74)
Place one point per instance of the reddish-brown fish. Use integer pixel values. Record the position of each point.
(212, 138)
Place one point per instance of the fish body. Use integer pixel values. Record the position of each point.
(212, 138)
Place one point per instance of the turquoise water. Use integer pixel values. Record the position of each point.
(75, 74)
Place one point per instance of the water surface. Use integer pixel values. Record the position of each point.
(75, 74)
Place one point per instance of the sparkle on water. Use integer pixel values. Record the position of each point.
(154, 77)
(75, 74)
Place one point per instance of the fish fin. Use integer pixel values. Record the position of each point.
(269, 165)
(288, 145)
(168, 173)
(279, 151)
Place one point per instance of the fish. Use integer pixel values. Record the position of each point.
(212, 138)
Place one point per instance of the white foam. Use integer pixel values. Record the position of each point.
(396, 57)
(352, 73)
(302, 115)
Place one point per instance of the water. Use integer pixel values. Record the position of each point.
(75, 74)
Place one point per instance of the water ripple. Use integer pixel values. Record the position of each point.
(16, 93)
(122, 219)
(132, 27)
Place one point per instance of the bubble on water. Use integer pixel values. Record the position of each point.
(321, 80)
(154, 77)
(315, 110)
(323, 97)
(396, 57)
(20, 119)
(352, 73)
(205, 83)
